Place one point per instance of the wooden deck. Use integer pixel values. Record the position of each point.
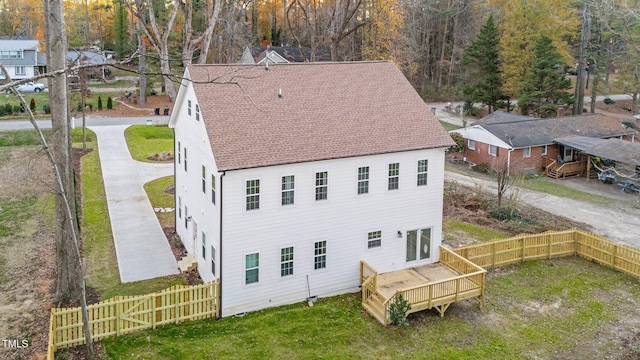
(434, 286)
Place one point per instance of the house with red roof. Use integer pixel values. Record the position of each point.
(287, 176)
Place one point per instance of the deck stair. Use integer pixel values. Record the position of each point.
(375, 306)
(187, 263)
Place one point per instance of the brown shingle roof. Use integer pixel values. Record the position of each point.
(326, 111)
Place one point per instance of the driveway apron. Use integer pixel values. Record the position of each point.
(141, 246)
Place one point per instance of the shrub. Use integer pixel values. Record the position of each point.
(17, 109)
(99, 103)
(2, 112)
(459, 146)
(32, 105)
(609, 101)
(8, 109)
(46, 108)
(398, 311)
(109, 103)
(482, 168)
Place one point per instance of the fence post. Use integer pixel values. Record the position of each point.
(549, 240)
(493, 255)
(614, 253)
(118, 319)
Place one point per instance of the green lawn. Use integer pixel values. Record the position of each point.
(546, 185)
(146, 141)
(159, 198)
(510, 326)
(454, 229)
(448, 126)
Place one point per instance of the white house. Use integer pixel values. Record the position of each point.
(21, 58)
(288, 176)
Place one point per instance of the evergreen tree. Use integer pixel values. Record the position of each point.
(120, 29)
(482, 59)
(544, 88)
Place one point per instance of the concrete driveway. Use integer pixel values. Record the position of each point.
(141, 247)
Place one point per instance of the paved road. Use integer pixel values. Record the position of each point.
(91, 121)
(141, 246)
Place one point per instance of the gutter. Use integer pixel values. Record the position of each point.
(220, 251)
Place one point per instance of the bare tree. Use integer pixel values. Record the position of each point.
(505, 181)
(343, 22)
(159, 38)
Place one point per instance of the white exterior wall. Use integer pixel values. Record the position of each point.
(343, 221)
(188, 184)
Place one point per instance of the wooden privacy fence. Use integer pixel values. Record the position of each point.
(554, 244)
(126, 314)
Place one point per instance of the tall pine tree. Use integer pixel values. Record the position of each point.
(544, 88)
(483, 62)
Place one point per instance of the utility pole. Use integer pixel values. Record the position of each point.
(585, 38)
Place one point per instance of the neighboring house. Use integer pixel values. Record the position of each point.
(287, 177)
(89, 57)
(522, 142)
(281, 55)
(21, 58)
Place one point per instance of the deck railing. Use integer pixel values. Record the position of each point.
(125, 314)
(567, 169)
(469, 261)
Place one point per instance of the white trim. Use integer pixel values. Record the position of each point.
(481, 135)
(469, 144)
(544, 150)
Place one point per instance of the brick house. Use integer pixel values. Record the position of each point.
(522, 142)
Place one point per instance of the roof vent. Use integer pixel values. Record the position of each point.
(266, 65)
(280, 96)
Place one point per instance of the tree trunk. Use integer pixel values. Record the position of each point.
(69, 278)
(142, 67)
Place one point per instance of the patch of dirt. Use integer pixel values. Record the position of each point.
(129, 107)
(178, 250)
(161, 157)
(27, 259)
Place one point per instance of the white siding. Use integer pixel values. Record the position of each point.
(192, 135)
(343, 221)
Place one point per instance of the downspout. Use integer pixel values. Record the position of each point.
(220, 252)
(509, 161)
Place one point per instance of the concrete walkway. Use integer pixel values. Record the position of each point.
(141, 247)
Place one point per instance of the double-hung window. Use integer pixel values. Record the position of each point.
(544, 150)
(185, 158)
(423, 168)
(204, 179)
(189, 107)
(320, 255)
(526, 152)
(197, 112)
(253, 194)
(186, 217)
(179, 153)
(374, 239)
(251, 268)
(493, 150)
(213, 189)
(286, 261)
(179, 207)
(20, 70)
(363, 180)
(322, 181)
(204, 244)
(394, 176)
(471, 144)
(288, 184)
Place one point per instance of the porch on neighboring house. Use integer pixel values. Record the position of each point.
(560, 169)
(432, 286)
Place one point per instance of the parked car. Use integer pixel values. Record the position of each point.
(29, 87)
